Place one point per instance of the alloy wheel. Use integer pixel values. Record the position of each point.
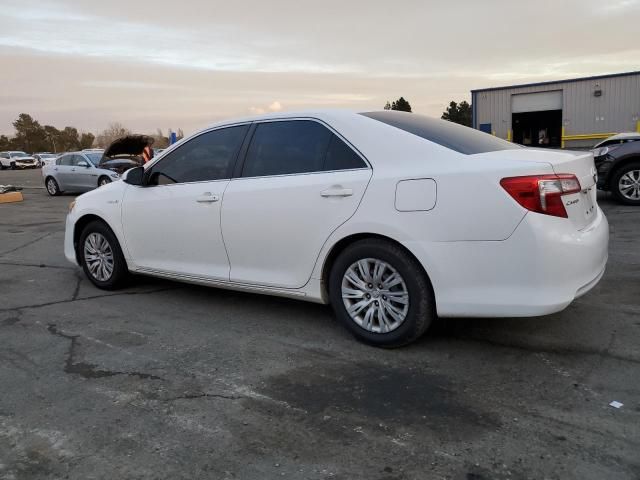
(52, 188)
(375, 295)
(98, 256)
(629, 185)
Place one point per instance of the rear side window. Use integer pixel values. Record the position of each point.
(341, 156)
(207, 157)
(448, 134)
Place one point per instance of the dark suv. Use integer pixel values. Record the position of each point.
(619, 171)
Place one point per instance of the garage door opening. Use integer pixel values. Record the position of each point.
(538, 129)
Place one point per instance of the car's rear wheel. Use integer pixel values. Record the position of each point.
(381, 294)
(101, 257)
(52, 187)
(625, 183)
(103, 181)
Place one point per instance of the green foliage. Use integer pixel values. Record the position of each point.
(32, 137)
(401, 104)
(458, 113)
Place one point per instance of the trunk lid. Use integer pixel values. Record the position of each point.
(581, 207)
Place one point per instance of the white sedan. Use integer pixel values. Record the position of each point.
(391, 217)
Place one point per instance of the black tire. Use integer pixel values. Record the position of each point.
(421, 304)
(52, 186)
(120, 272)
(103, 181)
(615, 182)
(13, 165)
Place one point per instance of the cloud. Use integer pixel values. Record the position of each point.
(275, 106)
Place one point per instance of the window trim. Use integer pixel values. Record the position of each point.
(245, 148)
(231, 170)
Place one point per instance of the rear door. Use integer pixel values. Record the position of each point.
(63, 172)
(298, 183)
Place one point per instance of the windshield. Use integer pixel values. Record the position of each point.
(94, 157)
(19, 154)
(47, 155)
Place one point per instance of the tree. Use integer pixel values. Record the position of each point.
(5, 143)
(458, 113)
(86, 140)
(30, 135)
(401, 104)
(114, 131)
(159, 140)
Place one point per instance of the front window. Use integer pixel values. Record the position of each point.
(209, 156)
(19, 154)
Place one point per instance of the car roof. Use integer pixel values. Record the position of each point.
(320, 114)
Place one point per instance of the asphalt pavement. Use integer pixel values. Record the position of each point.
(173, 381)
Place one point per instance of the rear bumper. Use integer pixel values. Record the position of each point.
(540, 269)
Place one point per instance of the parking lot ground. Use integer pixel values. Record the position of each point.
(167, 380)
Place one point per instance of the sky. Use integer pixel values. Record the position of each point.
(186, 64)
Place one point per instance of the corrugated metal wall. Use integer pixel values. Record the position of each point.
(617, 110)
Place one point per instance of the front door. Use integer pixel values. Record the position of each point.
(298, 184)
(172, 224)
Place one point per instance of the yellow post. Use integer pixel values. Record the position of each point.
(562, 138)
(638, 126)
(509, 135)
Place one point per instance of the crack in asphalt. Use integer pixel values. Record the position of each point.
(76, 291)
(90, 370)
(92, 297)
(193, 396)
(553, 350)
(36, 265)
(31, 242)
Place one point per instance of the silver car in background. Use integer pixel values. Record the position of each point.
(76, 172)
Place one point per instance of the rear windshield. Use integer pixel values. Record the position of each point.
(450, 135)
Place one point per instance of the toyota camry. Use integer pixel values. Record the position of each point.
(393, 218)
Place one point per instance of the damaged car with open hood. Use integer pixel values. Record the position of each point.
(125, 153)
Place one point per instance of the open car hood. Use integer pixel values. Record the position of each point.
(129, 145)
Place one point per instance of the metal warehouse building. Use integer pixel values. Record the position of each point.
(573, 113)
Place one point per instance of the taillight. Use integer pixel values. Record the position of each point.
(542, 193)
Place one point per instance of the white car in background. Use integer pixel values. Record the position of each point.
(16, 159)
(391, 217)
(45, 158)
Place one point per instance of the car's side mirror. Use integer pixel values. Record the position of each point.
(134, 176)
(83, 164)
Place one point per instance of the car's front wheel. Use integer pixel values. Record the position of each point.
(103, 181)
(381, 294)
(101, 257)
(625, 183)
(52, 187)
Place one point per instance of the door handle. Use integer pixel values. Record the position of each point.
(337, 192)
(207, 197)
